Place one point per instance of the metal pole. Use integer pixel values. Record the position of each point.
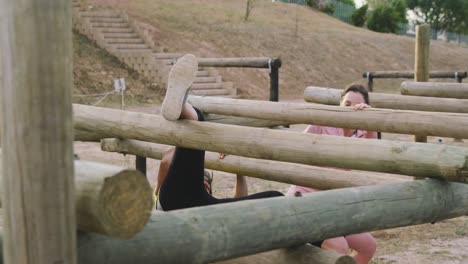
(140, 164)
(274, 65)
(274, 79)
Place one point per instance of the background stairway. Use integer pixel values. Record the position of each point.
(133, 44)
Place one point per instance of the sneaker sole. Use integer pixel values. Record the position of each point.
(180, 79)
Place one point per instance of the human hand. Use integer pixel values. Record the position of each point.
(360, 106)
(222, 155)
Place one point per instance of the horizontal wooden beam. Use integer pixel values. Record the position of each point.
(305, 254)
(219, 232)
(410, 75)
(331, 96)
(80, 135)
(243, 121)
(260, 62)
(291, 173)
(405, 158)
(435, 89)
(111, 200)
(452, 125)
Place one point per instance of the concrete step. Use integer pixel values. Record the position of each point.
(210, 92)
(203, 74)
(130, 46)
(168, 55)
(97, 14)
(125, 41)
(205, 80)
(107, 20)
(207, 86)
(120, 35)
(116, 30)
(110, 25)
(134, 50)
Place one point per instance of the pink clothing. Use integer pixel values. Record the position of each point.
(332, 131)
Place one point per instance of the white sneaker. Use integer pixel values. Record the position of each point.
(180, 79)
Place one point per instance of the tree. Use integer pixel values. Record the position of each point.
(312, 3)
(348, 2)
(359, 16)
(384, 19)
(440, 14)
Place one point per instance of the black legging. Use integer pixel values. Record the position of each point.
(183, 186)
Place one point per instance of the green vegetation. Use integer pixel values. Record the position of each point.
(387, 16)
(359, 16)
(442, 15)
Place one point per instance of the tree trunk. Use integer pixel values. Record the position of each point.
(214, 233)
(292, 173)
(331, 96)
(433, 89)
(382, 120)
(405, 158)
(37, 135)
(110, 200)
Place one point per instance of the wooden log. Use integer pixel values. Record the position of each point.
(291, 173)
(384, 120)
(262, 62)
(421, 62)
(304, 254)
(37, 135)
(111, 200)
(80, 135)
(332, 96)
(243, 121)
(405, 158)
(433, 89)
(410, 75)
(219, 232)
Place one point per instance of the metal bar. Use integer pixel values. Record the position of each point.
(140, 164)
(262, 62)
(410, 75)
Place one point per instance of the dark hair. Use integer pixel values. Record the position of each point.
(357, 88)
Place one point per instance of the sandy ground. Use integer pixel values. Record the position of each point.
(443, 242)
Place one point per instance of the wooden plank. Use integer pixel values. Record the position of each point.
(332, 96)
(384, 120)
(374, 155)
(304, 254)
(435, 89)
(37, 135)
(291, 173)
(219, 232)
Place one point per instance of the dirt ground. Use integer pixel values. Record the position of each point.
(443, 242)
(325, 52)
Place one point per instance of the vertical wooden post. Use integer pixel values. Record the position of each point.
(421, 61)
(38, 201)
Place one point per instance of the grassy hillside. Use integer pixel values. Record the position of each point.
(94, 72)
(324, 51)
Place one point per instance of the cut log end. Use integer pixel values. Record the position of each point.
(125, 204)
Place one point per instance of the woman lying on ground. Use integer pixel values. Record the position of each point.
(361, 246)
(183, 186)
